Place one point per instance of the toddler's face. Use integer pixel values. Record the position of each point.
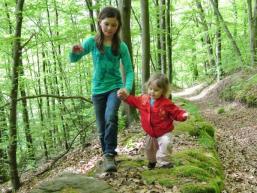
(154, 91)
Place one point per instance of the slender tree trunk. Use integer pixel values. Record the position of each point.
(252, 31)
(125, 7)
(163, 36)
(255, 30)
(169, 41)
(17, 54)
(233, 42)
(91, 14)
(207, 38)
(25, 116)
(219, 69)
(145, 42)
(158, 36)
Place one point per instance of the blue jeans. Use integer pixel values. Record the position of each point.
(106, 110)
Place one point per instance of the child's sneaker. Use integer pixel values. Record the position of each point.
(151, 165)
(168, 165)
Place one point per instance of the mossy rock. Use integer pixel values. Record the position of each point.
(196, 168)
(74, 183)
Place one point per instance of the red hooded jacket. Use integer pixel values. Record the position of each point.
(158, 119)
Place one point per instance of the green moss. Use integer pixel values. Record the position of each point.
(69, 190)
(195, 128)
(206, 140)
(197, 167)
(208, 128)
(198, 188)
(131, 163)
(199, 158)
(192, 172)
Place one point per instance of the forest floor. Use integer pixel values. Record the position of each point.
(236, 138)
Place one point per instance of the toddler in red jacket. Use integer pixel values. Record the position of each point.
(157, 114)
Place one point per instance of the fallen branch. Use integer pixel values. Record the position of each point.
(50, 96)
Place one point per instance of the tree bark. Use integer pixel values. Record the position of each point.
(169, 42)
(219, 69)
(145, 42)
(158, 36)
(91, 14)
(17, 54)
(252, 31)
(125, 8)
(207, 38)
(163, 36)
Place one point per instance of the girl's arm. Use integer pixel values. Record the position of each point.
(126, 61)
(78, 51)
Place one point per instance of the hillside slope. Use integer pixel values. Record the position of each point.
(236, 136)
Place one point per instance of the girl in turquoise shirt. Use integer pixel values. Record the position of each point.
(108, 52)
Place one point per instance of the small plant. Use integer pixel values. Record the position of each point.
(221, 111)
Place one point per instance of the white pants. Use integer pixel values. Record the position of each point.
(158, 149)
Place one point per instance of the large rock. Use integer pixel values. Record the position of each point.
(74, 183)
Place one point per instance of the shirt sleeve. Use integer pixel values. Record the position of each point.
(126, 61)
(87, 45)
(175, 112)
(134, 101)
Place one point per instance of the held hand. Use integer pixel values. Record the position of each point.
(122, 93)
(77, 49)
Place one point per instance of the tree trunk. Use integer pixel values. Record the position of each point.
(255, 30)
(252, 31)
(91, 14)
(163, 36)
(17, 54)
(233, 42)
(145, 42)
(125, 8)
(219, 69)
(207, 38)
(169, 41)
(3, 130)
(25, 116)
(159, 60)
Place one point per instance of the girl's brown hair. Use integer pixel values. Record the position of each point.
(99, 38)
(161, 81)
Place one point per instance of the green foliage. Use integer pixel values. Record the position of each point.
(221, 111)
(243, 90)
(4, 170)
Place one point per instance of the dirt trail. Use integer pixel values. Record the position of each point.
(236, 135)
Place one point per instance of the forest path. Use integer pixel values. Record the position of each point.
(236, 140)
(236, 136)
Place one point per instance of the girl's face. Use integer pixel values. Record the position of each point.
(109, 26)
(154, 91)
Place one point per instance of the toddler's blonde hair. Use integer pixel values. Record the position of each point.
(161, 81)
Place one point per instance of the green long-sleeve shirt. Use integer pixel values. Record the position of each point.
(106, 71)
